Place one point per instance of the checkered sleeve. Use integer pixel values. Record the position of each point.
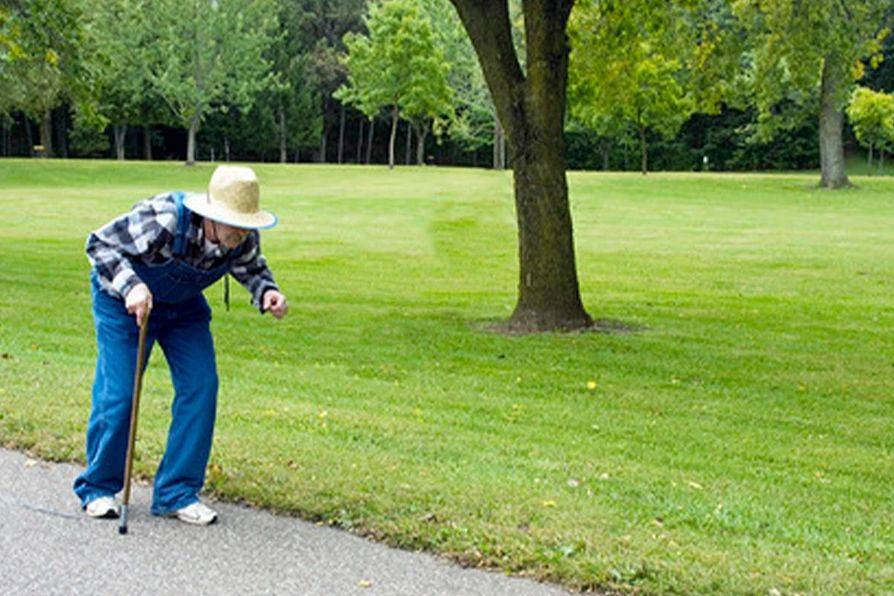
(250, 269)
(143, 234)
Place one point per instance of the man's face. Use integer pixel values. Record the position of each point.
(230, 236)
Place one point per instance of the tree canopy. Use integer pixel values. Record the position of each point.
(398, 66)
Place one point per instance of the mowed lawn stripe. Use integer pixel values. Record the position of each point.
(738, 440)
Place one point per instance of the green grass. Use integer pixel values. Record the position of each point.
(742, 441)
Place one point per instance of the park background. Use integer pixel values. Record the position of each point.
(723, 427)
(737, 83)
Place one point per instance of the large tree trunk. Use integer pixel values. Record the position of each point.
(393, 136)
(831, 123)
(531, 109)
(46, 133)
(120, 130)
(283, 150)
(341, 133)
(369, 140)
(147, 142)
(191, 142)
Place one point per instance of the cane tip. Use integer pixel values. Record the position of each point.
(122, 529)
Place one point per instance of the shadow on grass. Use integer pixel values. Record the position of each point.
(601, 326)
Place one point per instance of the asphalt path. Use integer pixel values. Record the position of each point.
(48, 546)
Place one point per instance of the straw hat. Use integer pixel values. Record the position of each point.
(232, 198)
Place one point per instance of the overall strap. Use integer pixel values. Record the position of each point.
(183, 216)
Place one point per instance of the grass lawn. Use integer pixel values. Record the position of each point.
(742, 441)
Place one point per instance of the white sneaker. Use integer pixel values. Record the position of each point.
(105, 507)
(196, 513)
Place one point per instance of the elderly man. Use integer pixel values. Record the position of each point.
(153, 263)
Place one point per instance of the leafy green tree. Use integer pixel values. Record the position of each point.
(807, 55)
(210, 55)
(45, 60)
(397, 66)
(363, 99)
(319, 27)
(292, 96)
(648, 65)
(122, 79)
(872, 115)
(474, 121)
(531, 106)
(11, 94)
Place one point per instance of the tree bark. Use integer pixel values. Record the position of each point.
(531, 108)
(191, 142)
(606, 149)
(831, 124)
(120, 130)
(341, 133)
(393, 136)
(147, 142)
(369, 141)
(227, 149)
(283, 150)
(46, 133)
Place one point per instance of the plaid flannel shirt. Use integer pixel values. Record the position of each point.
(146, 234)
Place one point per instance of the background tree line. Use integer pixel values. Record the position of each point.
(652, 85)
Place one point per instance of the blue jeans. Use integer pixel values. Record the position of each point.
(182, 330)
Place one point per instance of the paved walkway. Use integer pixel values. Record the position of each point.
(47, 546)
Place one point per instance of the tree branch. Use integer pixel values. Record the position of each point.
(488, 26)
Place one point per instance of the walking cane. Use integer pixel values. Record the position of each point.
(135, 406)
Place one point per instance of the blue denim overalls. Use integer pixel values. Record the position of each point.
(180, 323)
